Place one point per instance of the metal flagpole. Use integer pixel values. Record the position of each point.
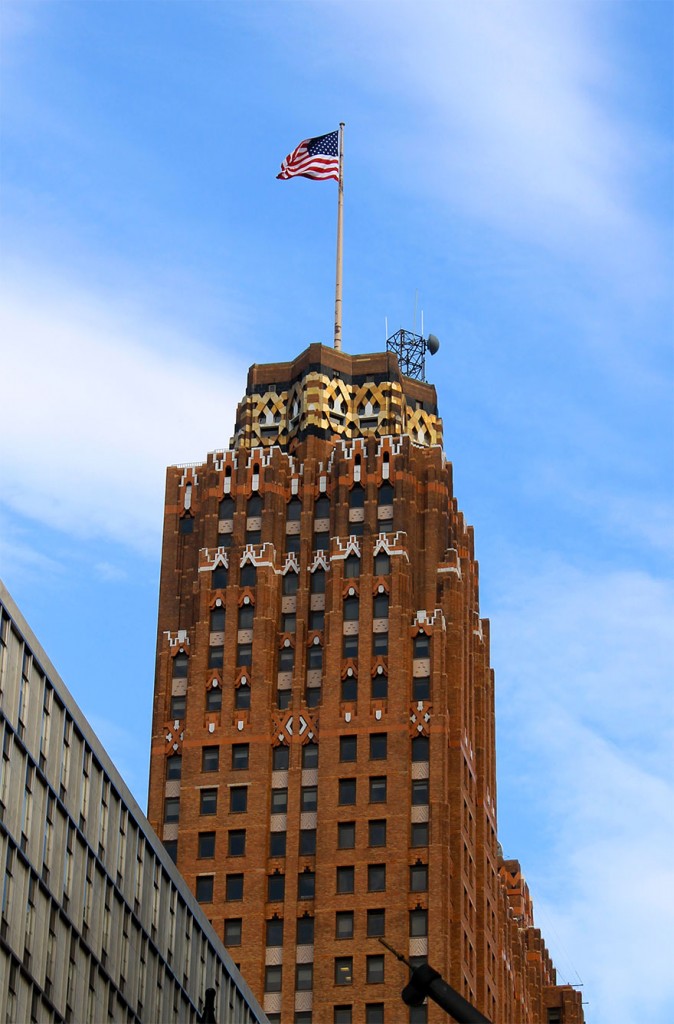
(340, 220)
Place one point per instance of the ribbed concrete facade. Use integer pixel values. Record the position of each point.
(323, 750)
(96, 924)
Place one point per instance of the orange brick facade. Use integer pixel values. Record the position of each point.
(323, 750)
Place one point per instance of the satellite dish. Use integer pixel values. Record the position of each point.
(432, 344)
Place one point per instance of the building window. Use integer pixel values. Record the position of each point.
(277, 844)
(210, 759)
(233, 931)
(280, 759)
(347, 791)
(234, 888)
(273, 978)
(376, 923)
(418, 923)
(246, 616)
(377, 789)
(283, 699)
(276, 885)
(345, 879)
(421, 688)
(315, 657)
(274, 932)
(380, 606)
(322, 541)
(178, 705)
(180, 665)
(186, 524)
(382, 564)
(377, 832)
(346, 835)
(206, 845)
(288, 622)
(350, 646)
(379, 645)
(378, 746)
(219, 578)
(240, 754)
(318, 581)
(418, 878)
(304, 978)
(171, 847)
(310, 755)
(316, 620)
(204, 889)
(351, 609)
(322, 507)
(379, 686)
(248, 575)
(279, 801)
(342, 1015)
(238, 799)
(420, 748)
(419, 834)
(171, 809)
(357, 497)
(292, 543)
(374, 1013)
(242, 698)
(422, 646)
(218, 619)
(348, 748)
(226, 509)
(351, 566)
(236, 842)
(244, 655)
(344, 924)
(419, 792)
(343, 970)
(374, 972)
(376, 877)
(309, 799)
(294, 510)
(349, 689)
(214, 698)
(305, 931)
(174, 766)
(307, 842)
(313, 697)
(290, 581)
(286, 659)
(306, 885)
(254, 506)
(208, 801)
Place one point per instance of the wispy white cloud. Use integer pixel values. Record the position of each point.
(96, 404)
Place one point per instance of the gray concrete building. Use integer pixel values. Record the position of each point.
(96, 922)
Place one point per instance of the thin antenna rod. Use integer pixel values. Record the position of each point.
(422, 323)
(396, 954)
(340, 224)
(385, 328)
(416, 299)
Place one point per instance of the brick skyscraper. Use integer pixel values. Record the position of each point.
(323, 756)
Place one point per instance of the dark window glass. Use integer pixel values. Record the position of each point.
(418, 923)
(376, 877)
(349, 689)
(304, 980)
(346, 835)
(214, 699)
(343, 970)
(421, 688)
(307, 842)
(345, 876)
(313, 696)
(310, 755)
(226, 508)
(273, 978)
(378, 746)
(246, 616)
(374, 1013)
(280, 759)
(305, 931)
(419, 834)
(244, 654)
(419, 792)
(379, 645)
(418, 1014)
(238, 799)
(206, 846)
(254, 506)
(344, 924)
(374, 969)
(418, 878)
(234, 887)
(174, 766)
(342, 1015)
(321, 542)
(274, 932)
(348, 748)
(242, 698)
(292, 542)
(217, 620)
(180, 665)
(377, 789)
(171, 847)
(315, 657)
(279, 801)
(380, 606)
(186, 524)
(248, 576)
(294, 510)
(422, 646)
(219, 578)
(347, 791)
(178, 705)
(316, 620)
(277, 844)
(350, 646)
(420, 748)
(318, 581)
(385, 494)
(284, 699)
(171, 809)
(351, 606)
(356, 529)
(357, 497)
(286, 659)
(204, 889)
(352, 565)
(377, 832)
(306, 885)
(216, 656)
(236, 842)
(376, 923)
(322, 508)
(379, 687)
(309, 798)
(240, 754)
(208, 801)
(275, 888)
(382, 564)
(290, 584)
(288, 622)
(233, 931)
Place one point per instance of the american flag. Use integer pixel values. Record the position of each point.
(316, 158)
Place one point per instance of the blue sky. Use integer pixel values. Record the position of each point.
(510, 164)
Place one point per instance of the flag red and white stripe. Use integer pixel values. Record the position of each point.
(316, 158)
